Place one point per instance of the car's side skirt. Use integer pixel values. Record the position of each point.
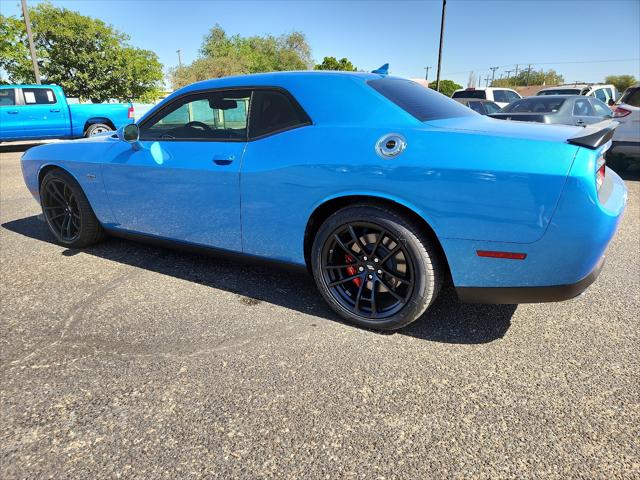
(202, 249)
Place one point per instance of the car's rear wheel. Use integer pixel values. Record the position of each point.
(67, 212)
(97, 128)
(375, 267)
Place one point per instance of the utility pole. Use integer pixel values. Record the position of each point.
(179, 58)
(426, 77)
(486, 81)
(528, 73)
(516, 74)
(493, 73)
(509, 76)
(444, 7)
(32, 48)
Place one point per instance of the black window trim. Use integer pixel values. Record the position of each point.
(248, 137)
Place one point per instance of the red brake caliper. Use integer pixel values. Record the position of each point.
(351, 270)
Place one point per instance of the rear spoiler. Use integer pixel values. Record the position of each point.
(595, 135)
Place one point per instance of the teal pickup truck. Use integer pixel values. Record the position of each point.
(34, 112)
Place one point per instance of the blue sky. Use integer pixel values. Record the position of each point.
(479, 34)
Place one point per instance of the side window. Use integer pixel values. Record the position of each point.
(512, 96)
(582, 108)
(601, 95)
(500, 96)
(7, 97)
(491, 107)
(38, 96)
(600, 108)
(476, 106)
(274, 111)
(205, 116)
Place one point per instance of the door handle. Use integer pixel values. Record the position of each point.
(12, 112)
(54, 110)
(224, 160)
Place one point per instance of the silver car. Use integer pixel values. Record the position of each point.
(560, 109)
(625, 149)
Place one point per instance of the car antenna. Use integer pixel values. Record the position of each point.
(383, 70)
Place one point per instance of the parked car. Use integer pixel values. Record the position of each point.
(626, 139)
(501, 96)
(380, 187)
(33, 112)
(483, 107)
(605, 93)
(562, 109)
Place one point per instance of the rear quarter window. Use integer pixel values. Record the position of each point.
(421, 102)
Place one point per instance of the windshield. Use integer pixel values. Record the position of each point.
(481, 94)
(561, 91)
(535, 105)
(421, 102)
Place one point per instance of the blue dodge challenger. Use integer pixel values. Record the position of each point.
(382, 188)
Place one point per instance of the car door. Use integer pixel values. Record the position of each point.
(10, 120)
(583, 112)
(43, 114)
(181, 180)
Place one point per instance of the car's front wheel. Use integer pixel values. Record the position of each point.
(375, 267)
(67, 211)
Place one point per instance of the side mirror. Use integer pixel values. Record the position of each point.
(129, 133)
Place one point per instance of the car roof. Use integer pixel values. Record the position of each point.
(277, 78)
(485, 89)
(28, 85)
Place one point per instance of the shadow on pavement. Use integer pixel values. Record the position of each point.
(17, 147)
(447, 321)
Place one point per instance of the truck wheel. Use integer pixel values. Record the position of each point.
(97, 128)
(375, 267)
(67, 212)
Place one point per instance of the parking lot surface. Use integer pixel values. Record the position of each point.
(131, 361)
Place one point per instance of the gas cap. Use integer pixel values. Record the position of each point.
(391, 145)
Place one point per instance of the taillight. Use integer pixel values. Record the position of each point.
(600, 172)
(130, 113)
(620, 112)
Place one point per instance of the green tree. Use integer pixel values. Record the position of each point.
(621, 82)
(86, 57)
(447, 87)
(533, 77)
(222, 55)
(331, 63)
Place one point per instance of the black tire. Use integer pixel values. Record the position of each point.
(97, 128)
(414, 274)
(67, 211)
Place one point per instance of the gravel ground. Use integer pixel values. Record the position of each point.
(132, 361)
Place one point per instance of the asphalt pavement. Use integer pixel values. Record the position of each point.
(131, 361)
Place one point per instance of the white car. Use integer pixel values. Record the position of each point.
(625, 148)
(501, 96)
(605, 93)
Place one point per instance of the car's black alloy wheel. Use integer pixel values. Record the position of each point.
(374, 267)
(67, 211)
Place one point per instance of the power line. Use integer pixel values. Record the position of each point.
(549, 63)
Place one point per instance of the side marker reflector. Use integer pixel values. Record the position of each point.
(509, 255)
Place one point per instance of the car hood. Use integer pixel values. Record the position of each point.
(506, 128)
